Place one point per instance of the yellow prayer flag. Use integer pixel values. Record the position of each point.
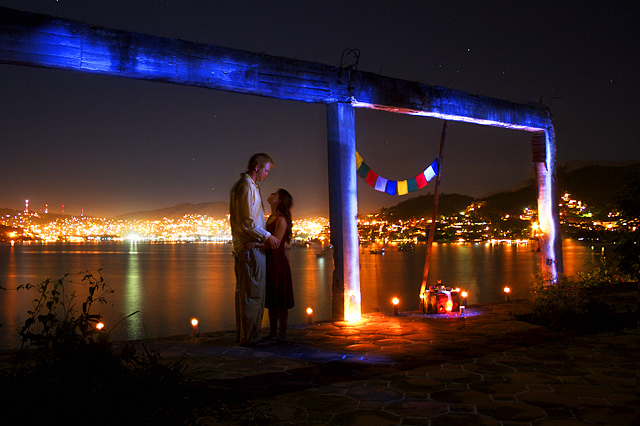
(403, 189)
(358, 160)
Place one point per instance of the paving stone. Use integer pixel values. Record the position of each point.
(563, 369)
(286, 411)
(521, 363)
(323, 418)
(453, 375)
(503, 397)
(327, 403)
(424, 370)
(460, 397)
(456, 386)
(375, 371)
(462, 408)
(418, 384)
(539, 387)
(321, 327)
(366, 418)
(549, 399)
(415, 421)
(343, 332)
(624, 400)
(560, 422)
(374, 394)
(532, 378)
(582, 390)
(492, 387)
(572, 379)
(393, 342)
(488, 368)
(464, 420)
(510, 411)
(419, 337)
(610, 415)
(628, 381)
(412, 407)
(595, 401)
(362, 347)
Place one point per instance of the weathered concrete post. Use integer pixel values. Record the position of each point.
(549, 240)
(343, 211)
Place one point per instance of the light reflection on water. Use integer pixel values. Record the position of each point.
(171, 283)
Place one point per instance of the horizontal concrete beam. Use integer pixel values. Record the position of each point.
(45, 41)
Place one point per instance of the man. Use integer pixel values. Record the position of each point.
(248, 225)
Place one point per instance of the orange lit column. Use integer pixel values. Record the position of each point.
(550, 241)
(343, 211)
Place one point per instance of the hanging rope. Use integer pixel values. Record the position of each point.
(392, 187)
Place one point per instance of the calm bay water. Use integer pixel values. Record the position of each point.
(171, 283)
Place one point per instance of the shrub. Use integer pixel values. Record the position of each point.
(68, 371)
(589, 302)
(55, 326)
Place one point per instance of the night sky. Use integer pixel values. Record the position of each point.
(114, 146)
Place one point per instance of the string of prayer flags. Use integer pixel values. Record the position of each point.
(392, 187)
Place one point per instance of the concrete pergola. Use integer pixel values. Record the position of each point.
(44, 41)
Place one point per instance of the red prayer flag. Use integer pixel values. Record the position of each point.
(371, 178)
(421, 181)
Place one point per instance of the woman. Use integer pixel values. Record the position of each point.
(279, 289)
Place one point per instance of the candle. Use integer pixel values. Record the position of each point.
(395, 302)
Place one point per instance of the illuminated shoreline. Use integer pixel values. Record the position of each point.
(465, 227)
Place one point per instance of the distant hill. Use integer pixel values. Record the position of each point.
(9, 212)
(216, 210)
(422, 206)
(597, 185)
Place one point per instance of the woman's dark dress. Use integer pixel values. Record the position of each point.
(279, 294)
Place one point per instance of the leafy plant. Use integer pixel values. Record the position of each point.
(54, 324)
(66, 370)
(590, 302)
(628, 244)
(604, 273)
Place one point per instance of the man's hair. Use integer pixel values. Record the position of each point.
(260, 159)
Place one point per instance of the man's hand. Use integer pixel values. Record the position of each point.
(272, 242)
(252, 245)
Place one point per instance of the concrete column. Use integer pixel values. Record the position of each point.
(549, 239)
(343, 211)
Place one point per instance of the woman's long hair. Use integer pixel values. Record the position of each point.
(285, 202)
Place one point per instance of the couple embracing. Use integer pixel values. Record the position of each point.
(263, 274)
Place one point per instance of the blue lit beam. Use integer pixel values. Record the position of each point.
(44, 41)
